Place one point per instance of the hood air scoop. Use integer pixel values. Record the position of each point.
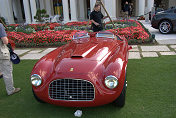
(74, 56)
(82, 51)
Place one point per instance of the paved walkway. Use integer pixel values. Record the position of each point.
(160, 38)
(137, 52)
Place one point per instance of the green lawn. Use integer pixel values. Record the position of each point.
(151, 94)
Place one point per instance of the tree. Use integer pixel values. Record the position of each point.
(41, 15)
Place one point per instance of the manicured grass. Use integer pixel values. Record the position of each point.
(151, 94)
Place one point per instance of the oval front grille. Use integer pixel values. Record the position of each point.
(71, 90)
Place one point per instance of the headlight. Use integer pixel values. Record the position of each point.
(36, 80)
(111, 81)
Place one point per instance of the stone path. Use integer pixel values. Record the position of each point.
(138, 52)
(33, 54)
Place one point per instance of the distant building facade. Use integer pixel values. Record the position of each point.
(23, 11)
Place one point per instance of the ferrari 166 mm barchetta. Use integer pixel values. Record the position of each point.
(88, 71)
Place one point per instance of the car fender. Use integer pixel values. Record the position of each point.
(44, 67)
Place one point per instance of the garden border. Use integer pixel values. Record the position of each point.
(131, 41)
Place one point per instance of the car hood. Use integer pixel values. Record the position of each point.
(160, 12)
(80, 67)
(83, 58)
(87, 51)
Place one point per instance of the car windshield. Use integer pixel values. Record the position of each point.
(80, 35)
(84, 36)
(105, 35)
(170, 10)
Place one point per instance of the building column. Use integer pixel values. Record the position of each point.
(52, 8)
(7, 11)
(17, 10)
(111, 8)
(49, 7)
(42, 4)
(150, 4)
(10, 12)
(65, 10)
(118, 8)
(82, 9)
(92, 4)
(33, 9)
(73, 9)
(141, 7)
(27, 11)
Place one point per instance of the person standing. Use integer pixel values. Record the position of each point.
(126, 10)
(130, 9)
(5, 63)
(96, 18)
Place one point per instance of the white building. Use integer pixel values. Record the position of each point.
(21, 11)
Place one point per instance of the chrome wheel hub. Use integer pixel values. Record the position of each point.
(165, 27)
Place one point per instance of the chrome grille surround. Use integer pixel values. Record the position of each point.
(71, 90)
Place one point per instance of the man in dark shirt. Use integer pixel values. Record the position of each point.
(96, 18)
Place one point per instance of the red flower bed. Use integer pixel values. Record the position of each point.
(76, 23)
(47, 36)
(14, 25)
(141, 18)
(50, 25)
(133, 33)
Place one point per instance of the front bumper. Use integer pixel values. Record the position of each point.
(102, 96)
(155, 23)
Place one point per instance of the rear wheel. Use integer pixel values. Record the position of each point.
(165, 27)
(120, 101)
(37, 97)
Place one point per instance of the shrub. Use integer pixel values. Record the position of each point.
(41, 15)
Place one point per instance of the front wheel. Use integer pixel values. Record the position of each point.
(120, 101)
(165, 27)
(37, 97)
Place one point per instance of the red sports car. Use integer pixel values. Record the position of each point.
(88, 71)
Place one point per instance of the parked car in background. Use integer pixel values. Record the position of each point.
(88, 71)
(165, 21)
(156, 11)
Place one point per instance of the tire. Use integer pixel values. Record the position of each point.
(120, 101)
(165, 27)
(37, 97)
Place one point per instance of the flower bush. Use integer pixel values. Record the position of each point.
(54, 34)
(41, 38)
(76, 23)
(141, 18)
(134, 34)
